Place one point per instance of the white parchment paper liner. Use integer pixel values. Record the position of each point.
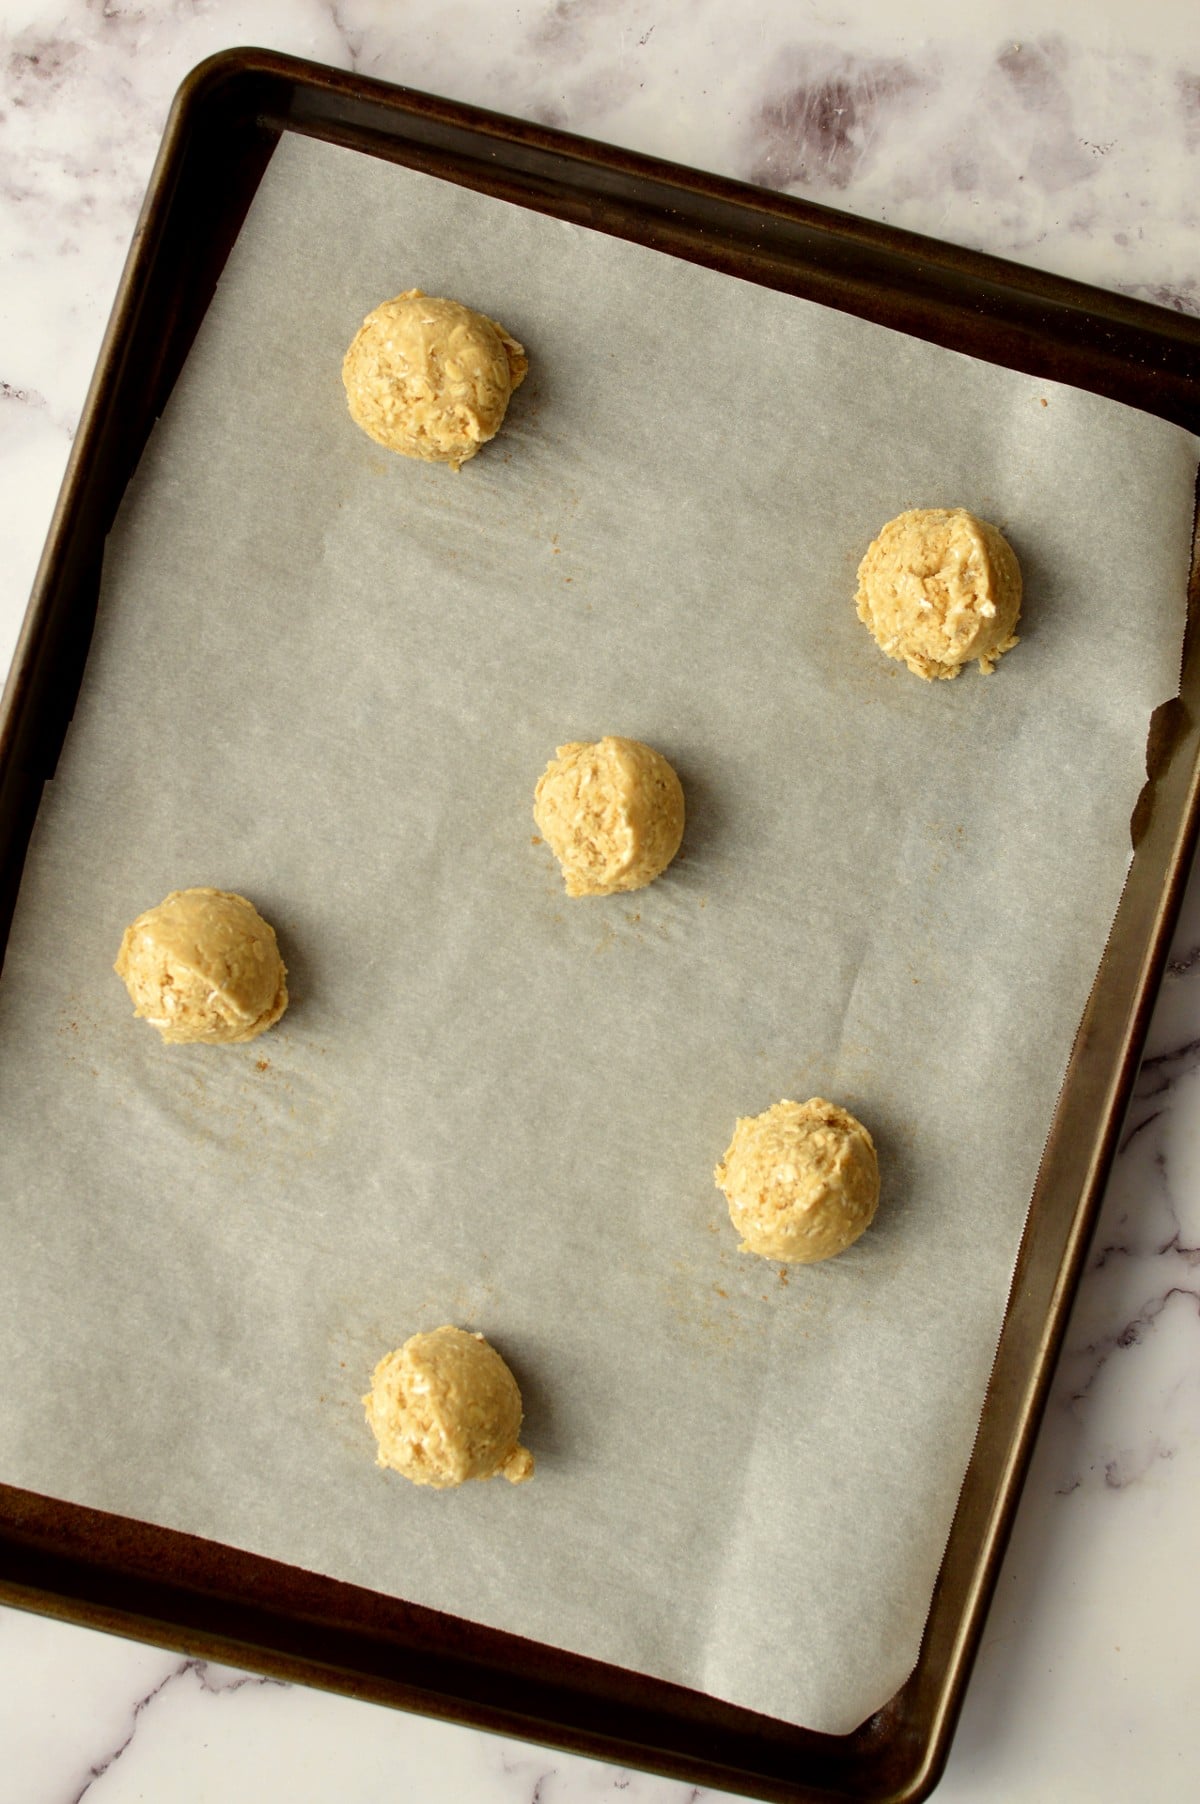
(329, 678)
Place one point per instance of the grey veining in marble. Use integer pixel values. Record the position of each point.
(1064, 136)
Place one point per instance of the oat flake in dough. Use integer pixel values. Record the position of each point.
(430, 378)
(204, 966)
(444, 1408)
(611, 812)
(939, 588)
(801, 1181)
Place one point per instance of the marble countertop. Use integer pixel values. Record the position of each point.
(1061, 138)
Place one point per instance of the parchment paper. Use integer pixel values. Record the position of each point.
(329, 678)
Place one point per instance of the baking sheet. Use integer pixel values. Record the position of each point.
(330, 678)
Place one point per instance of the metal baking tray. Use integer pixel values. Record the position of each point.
(129, 1577)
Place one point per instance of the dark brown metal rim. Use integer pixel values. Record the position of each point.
(236, 66)
(134, 1579)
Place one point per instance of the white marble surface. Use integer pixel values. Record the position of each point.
(1060, 135)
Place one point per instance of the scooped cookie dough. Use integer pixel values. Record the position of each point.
(204, 966)
(445, 1408)
(612, 814)
(939, 588)
(801, 1181)
(431, 378)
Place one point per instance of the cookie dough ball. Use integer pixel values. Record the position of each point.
(445, 1408)
(431, 378)
(205, 966)
(938, 588)
(801, 1180)
(612, 814)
